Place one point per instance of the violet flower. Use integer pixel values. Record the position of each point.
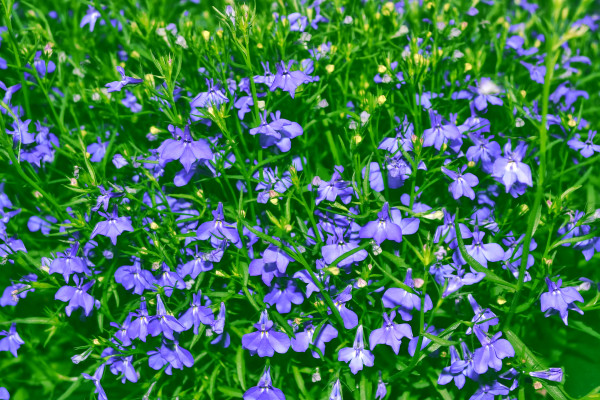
(382, 229)
(462, 184)
(441, 133)
(510, 169)
(492, 352)
(96, 380)
(77, 296)
(116, 86)
(587, 148)
(303, 339)
(11, 340)
(559, 300)
(404, 300)
(357, 355)
(266, 341)
(183, 148)
(264, 390)
(349, 317)
(219, 228)
(113, 226)
(390, 333)
(288, 80)
(163, 322)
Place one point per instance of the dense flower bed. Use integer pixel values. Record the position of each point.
(299, 200)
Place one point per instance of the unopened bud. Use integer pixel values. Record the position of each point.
(419, 283)
(361, 283)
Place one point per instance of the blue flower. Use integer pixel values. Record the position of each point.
(77, 296)
(390, 333)
(96, 379)
(492, 352)
(559, 300)
(303, 339)
(552, 374)
(183, 148)
(90, 18)
(116, 86)
(441, 133)
(266, 341)
(383, 228)
(219, 228)
(462, 184)
(336, 391)
(288, 80)
(357, 355)
(264, 390)
(197, 314)
(11, 340)
(134, 277)
(510, 169)
(68, 263)
(404, 300)
(283, 293)
(163, 322)
(348, 316)
(113, 226)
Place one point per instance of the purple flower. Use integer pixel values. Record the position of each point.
(336, 391)
(198, 264)
(492, 351)
(303, 339)
(97, 150)
(348, 316)
(163, 322)
(116, 86)
(76, 296)
(11, 340)
(17, 291)
(121, 335)
(537, 73)
(441, 133)
(20, 132)
(382, 229)
(462, 183)
(486, 91)
(586, 148)
(169, 280)
(390, 333)
(213, 96)
(183, 148)
(113, 226)
(559, 300)
(405, 300)
(278, 132)
(266, 340)
(483, 319)
(96, 379)
(134, 277)
(483, 150)
(139, 327)
(130, 101)
(381, 389)
(68, 263)
(90, 18)
(219, 228)
(510, 168)
(552, 374)
(340, 243)
(218, 327)
(197, 314)
(483, 252)
(283, 294)
(455, 371)
(412, 345)
(357, 355)
(288, 80)
(330, 190)
(264, 390)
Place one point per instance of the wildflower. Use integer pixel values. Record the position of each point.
(336, 391)
(278, 132)
(97, 150)
(482, 252)
(116, 86)
(20, 132)
(77, 296)
(264, 390)
(96, 380)
(382, 229)
(341, 243)
(454, 371)
(560, 301)
(219, 228)
(11, 340)
(441, 133)
(552, 374)
(537, 73)
(68, 263)
(489, 391)
(510, 168)
(163, 322)
(198, 264)
(381, 389)
(462, 183)
(486, 92)
(121, 333)
(492, 351)
(288, 80)
(90, 18)
(266, 340)
(283, 294)
(169, 280)
(139, 327)
(586, 148)
(214, 96)
(196, 314)
(405, 300)
(390, 333)
(130, 101)
(348, 316)
(303, 339)
(330, 190)
(484, 150)
(357, 355)
(183, 148)
(17, 291)
(113, 226)
(412, 345)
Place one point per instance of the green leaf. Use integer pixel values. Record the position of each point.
(439, 340)
(240, 367)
